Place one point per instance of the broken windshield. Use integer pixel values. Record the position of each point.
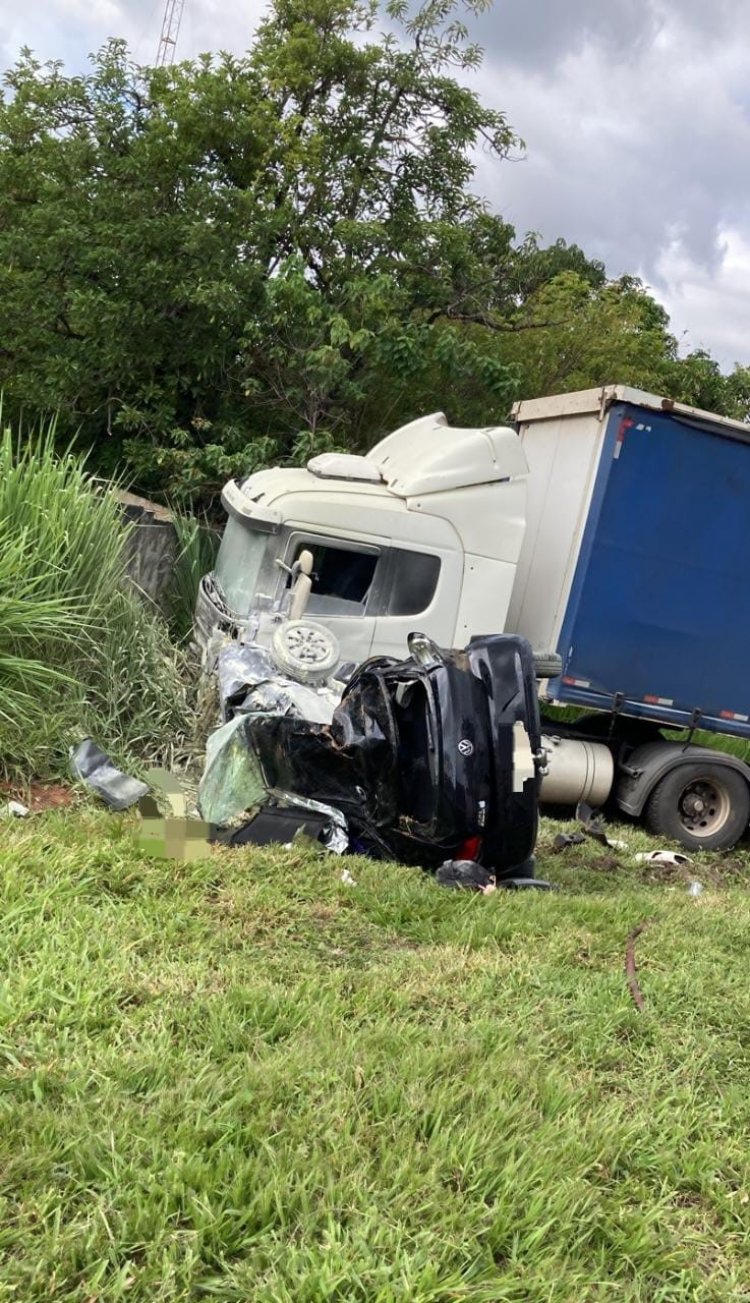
(238, 565)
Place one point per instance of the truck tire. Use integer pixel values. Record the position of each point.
(705, 807)
(305, 650)
(547, 665)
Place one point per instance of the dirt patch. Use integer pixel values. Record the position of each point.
(39, 796)
(606, 864)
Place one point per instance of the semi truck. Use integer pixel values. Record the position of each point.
(610, 528)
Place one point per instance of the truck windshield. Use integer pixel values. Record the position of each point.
(238, 565)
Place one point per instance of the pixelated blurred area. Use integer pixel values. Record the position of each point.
(165, 829)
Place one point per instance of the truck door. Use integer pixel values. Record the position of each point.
(345, 575)
(418, 592)
(373, 595)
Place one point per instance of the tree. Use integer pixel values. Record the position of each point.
(582, 334)
(242, 260)
(197, 264)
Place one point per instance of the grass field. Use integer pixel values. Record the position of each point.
(245, 1080)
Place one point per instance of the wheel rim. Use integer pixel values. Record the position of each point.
(308, 646)
(704, 807)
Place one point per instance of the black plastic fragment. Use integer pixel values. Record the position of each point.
(464, 875)
(276, 826)
(119, 791)
(565, 839)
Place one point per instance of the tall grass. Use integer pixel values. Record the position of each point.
(197, 546)
(29, 621)
(78, 652)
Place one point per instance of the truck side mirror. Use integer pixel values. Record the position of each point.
(302, 586)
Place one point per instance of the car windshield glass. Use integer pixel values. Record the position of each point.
(238, 565)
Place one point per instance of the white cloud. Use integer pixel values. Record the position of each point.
(72, 29)
(622, 153)
(710, 307)
(640, 155)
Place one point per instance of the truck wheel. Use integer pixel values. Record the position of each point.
(705, 807)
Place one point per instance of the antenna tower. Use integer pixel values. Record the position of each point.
(170, 30)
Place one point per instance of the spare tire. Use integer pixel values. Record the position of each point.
(305, 650)
(547, 665)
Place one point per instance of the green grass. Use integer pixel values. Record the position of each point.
(243, 1080)
(79, 652)
(197, 549)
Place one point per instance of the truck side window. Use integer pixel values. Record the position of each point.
(342, 578)
(415, 577)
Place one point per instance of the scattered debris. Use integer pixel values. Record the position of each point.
(593, 829)
(593, 824)
(13, 810)
(565, 839)
(695, 888)
(465, 875)
(95, 769)
(631, 971)
(470, 876)
(347, 878)
(673, 858)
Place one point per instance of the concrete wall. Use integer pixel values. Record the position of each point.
(152, 546)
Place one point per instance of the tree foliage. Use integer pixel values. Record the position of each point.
(239, 260)
(220, 256)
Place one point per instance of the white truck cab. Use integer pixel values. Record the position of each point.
(424, 532)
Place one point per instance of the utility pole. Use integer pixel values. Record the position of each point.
(170, 30)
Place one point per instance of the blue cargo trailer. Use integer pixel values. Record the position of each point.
(634, 568)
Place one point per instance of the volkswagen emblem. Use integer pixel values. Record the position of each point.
(466, 747)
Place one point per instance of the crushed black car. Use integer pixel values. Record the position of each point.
(433, 758)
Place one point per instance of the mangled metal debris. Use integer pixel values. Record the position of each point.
(430, 759)
(672, 859)
(251, 682)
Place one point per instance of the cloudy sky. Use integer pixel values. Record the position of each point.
(635, 113)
